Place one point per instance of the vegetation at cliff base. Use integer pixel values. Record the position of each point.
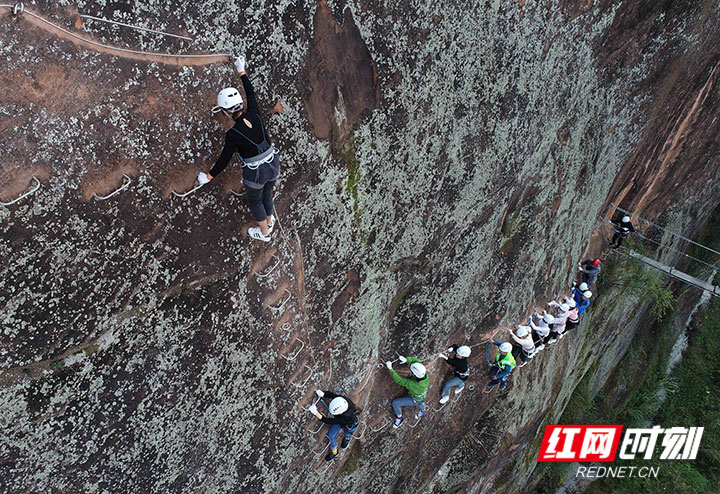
(694, 401)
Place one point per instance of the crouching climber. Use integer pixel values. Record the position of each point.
(582, 299)
(573, 318)
(560, 314)
(524, 349)
(504, 364)
(261, 163)
(461, 370)
(590, 269)
(343, 415)
(417, 386)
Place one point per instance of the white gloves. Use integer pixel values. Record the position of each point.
(319, 393)
(239, 63)
(388, 364)
(203, 178)
(313, 409)
(402, 359)
(441, 355)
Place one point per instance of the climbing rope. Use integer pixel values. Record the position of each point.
(19, 9)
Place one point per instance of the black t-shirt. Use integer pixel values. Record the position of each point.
(624, 229)
(347, 418)
(460, 366)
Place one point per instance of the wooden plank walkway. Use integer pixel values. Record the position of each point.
(669, 270)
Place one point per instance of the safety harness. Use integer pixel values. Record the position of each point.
(266, 152)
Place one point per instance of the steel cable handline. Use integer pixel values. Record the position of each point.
(139, 28)
(670, 248)
(19, 10)
(666, 230)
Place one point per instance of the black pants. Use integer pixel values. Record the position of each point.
(261, 201)
(617, 240)
(519, 353)
(552, 336)
(537, 339)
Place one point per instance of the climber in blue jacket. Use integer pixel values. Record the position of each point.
(582, 299)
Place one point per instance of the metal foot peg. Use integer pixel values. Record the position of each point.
(122, 187)
(29, 192)
(185, 194)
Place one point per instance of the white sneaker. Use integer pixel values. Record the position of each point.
(271, 225)
(444, 399)
(458, 390)
(538, 348)
(255, 233)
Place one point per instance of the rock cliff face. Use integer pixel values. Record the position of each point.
(444, 167)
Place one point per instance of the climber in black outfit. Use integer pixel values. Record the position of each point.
(261, 163)
(621, 230)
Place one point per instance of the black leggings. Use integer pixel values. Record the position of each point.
(261, 201)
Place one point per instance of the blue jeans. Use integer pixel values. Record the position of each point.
(455, 381)
(335, 428)
(406, 401)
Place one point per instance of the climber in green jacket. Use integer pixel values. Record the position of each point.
(416, 384)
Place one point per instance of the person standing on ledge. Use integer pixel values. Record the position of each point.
(461, 370)
(621, 230)
(343, 415)
(247, 137)
(417, 386)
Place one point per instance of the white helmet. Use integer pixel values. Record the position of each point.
(548, 318)
(583, 287)
(463, 351)
(418, 370)
(564, 308)
(230, 99)
(587, 294)
(506, 347)
(338, 406)
(570, 302)
(523, 331)
(626, 219)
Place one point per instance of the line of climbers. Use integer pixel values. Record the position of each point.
(260, 170)
(545, 328)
